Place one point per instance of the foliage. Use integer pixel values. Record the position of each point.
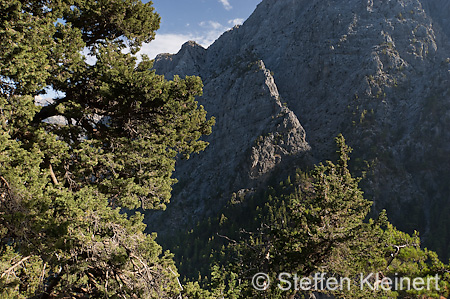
(317, 223)
(64, 184)
(223, 284)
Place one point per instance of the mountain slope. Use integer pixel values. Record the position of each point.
(295, 75)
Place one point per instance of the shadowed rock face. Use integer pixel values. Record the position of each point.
(254, 133)
(439, 10)
(296, 74)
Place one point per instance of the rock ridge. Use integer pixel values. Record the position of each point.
(377, 71)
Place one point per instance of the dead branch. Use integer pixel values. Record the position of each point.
(5, 182)
(179, 283)
(226, 238)
(397, 251)
(14, 266)
(52, 175)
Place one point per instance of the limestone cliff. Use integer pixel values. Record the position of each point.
(254, 133)
(296, 74)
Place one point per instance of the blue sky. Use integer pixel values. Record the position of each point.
(200, 20)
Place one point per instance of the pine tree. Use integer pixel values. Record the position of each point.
(64, 186)
(323, 229)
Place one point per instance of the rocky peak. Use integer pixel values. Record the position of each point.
(188, 60)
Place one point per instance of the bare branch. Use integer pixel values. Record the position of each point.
(225, 237)
(41, 279)
(5, 182)
(179, 283)
(52, 175)
(14, 266)
(397, 251)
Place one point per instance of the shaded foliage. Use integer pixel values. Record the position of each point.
(119, 127)
(316, 223)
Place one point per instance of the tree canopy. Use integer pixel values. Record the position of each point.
(317, 223)
(119, 127)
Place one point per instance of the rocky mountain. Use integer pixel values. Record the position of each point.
(295, 75)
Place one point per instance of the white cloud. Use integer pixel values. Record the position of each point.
(165, 43)
(235, 22)
(226, 4)
(212, 25)
(171, 43)
(91, 60)
(212, 31)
